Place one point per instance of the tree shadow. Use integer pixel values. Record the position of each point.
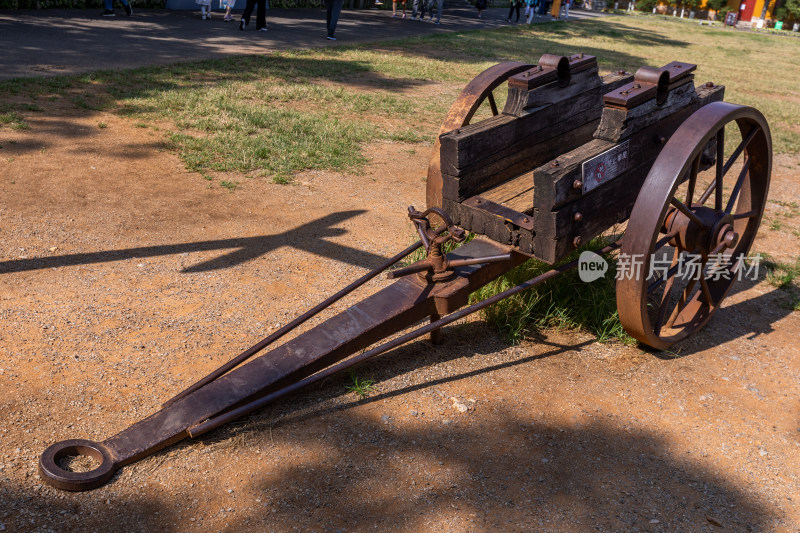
(46, 509)
(310, 237)
(508, 474)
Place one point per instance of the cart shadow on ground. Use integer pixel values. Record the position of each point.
(309, 237)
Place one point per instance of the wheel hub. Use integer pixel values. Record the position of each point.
(716, 230)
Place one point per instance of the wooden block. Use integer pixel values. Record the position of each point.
(475, 142)
(554, 185)
(518, 157)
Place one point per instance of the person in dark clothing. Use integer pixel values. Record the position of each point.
(261, 14)
(333, 7)
(480, 5)
(515, 4)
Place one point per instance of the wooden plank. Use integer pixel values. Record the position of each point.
(516, 193)
(619, 124)
(552, 93)
(612, 204)
(554, 185)
(518, 157)
(473, 143)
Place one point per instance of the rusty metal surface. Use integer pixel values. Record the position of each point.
(506, 213)
(551, 68)
(660, 218)
(460, 114)
(402, 304)
(650, 82)
(250, 352)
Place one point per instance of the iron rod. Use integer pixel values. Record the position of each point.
(246, 409)
(250, 352)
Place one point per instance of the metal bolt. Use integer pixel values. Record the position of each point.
(477, 201)
(526, 220)
(577, 217)
(576, 242)
(458, 132)
(555, 163)
(577, 184)
(709, 84)
(526, 74)
(621, 72)
(637, 85)
(660, 139)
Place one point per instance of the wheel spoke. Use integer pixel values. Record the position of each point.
(656, 284)
(738, 186)
(681, 302)
(706, 193)
(492, 104)
(720, 170)
(706, 291)
(692, 180)
(667, 292)
(688, 212)
(664, 240)
(742, 146)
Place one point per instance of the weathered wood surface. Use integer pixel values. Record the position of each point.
(462, 149)
(554, 184)
(516, 193)
(558, 201)
(519, 157)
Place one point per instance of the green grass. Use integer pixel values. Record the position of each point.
(361, 387)
(278, 114)
(564, 302)
(779, 274)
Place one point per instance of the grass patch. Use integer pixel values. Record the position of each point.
(779, 274)
(564, 302)
(230, 185)
(361, 387)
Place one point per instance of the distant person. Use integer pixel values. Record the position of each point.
(555, 10)
(418, 9)
(565, 8)
(439, 5)
(480, 5)
(515, 4)
(227, 5)
(333, 8)
(261, 14)
(530, 9)
(109, 8)
(205, 8)
(394, 8)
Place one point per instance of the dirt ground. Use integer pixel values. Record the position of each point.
(123, 278)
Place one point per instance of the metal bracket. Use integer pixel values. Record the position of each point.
(506, 213)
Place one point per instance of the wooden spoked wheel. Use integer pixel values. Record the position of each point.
(693, 223)
(477, 92)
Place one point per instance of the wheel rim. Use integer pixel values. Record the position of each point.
(479, 90)
(682, 209)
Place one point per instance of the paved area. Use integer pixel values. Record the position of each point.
(57, 42)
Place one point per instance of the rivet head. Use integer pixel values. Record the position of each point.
(576, 242)
(660, 139)
(577, 184)
(555, 163)
(637, 86)
(577, 217)
(709, 84)
(478, 201)
(526, 220)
